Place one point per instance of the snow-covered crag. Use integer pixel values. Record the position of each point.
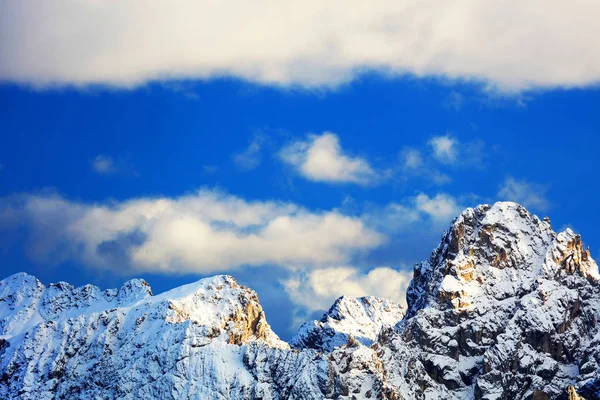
(361, 319)
(505, 308)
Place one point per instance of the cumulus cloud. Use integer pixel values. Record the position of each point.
(204, 232)
(311, 43)
(444, 148)
(441, 207)
(317, 289)
(320, 158)
(529, 194)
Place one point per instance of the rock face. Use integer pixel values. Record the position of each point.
(505, 308)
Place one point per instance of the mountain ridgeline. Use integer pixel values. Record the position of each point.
(505, 308)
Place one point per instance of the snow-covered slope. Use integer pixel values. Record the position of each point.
(84, 343)
(361, 318)
(505, 308)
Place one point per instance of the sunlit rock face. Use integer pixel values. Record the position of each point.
(505, 308)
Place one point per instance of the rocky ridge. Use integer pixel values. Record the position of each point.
(505, 308)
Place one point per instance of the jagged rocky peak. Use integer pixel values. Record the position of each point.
(349, 318)
(226, 308)
(501, 250)
(504, 308)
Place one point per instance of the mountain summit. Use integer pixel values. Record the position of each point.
(505, 308)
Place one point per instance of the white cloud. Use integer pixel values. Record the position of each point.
(251, 157)
(317, 289)
(538, 43)
(449, 150)
(441, 207)
(444, 148)
(104, 165)
(203, 233)
(412, 159)
(320, 158)
(528, 194)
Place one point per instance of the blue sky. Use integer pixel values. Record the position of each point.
(303, 178)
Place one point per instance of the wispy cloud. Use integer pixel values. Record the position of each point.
(325, 43)
(104, 165)
(251, 157)
(454, 101)
(412, 159)
(321, 158)
(413, 163)
(529, 194)
(448, 150)
(107, 165)
(417, 213)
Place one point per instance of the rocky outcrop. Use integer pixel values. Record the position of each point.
(505, 308)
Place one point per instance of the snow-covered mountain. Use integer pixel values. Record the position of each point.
(505, 308)
(361, 318)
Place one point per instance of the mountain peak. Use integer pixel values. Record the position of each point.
(360, 318)
(498, 250)
(502, 288)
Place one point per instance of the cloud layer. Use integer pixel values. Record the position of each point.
(511, 44)
(205, 232)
